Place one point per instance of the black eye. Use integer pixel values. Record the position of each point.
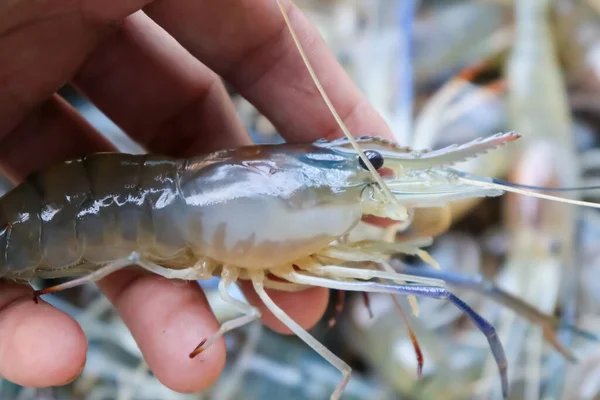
(373, 156)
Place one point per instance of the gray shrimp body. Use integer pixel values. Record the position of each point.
(255, 207)
(245, 213)
(90, 211)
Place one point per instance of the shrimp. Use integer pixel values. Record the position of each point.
(246, 213)
(274, 215)
(249, 213)
(542, 244)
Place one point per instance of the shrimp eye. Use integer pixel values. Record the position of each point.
(373, 156)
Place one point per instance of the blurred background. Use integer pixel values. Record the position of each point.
(440, 72)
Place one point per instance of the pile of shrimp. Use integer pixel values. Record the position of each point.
(517, 335)
(538, 76)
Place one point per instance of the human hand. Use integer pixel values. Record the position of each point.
(154, 73)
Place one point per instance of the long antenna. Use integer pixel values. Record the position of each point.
(507, 188)
(341, 124)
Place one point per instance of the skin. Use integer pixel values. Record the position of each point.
(155, 72)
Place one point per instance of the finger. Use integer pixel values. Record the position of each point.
(168, 320)
(41, 346)
(53, 132)
(161, 319)
(305, 307)
(42, 44)
(160, 94)
(248, 44)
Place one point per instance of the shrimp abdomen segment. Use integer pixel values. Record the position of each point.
(160, 183)
(114, 220)
(95, 209)
(62, 189)
(19, 238)
(133, 205)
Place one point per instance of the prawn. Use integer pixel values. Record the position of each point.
(275, 215)
(198, 217)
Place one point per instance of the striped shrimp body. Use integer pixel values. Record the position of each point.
(245, 213)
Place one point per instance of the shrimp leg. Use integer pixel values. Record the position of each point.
(251, 314)
(366, 274)
(490, 289)
(229, 275)
(546, 322)
(284, 286)
(362, 251)
(351, 253)
(93, 277)
(201, 270)
(426, 291)
(390, 274)
(257, 281)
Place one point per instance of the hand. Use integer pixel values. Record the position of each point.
(155, 73)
